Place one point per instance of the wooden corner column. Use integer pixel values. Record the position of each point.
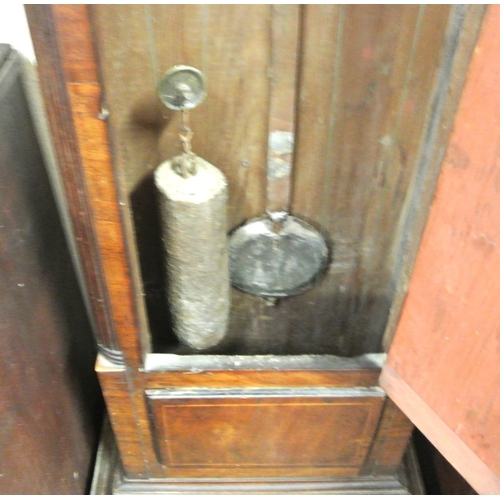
(72, 93)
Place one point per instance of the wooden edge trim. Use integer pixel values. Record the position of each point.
(62, 36)
(390, 441)
(56, 99)
(467, 463)
(463, 33)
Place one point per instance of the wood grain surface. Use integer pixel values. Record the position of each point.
(284, 48)
(444, 361)
(202, 433)
(109, 480)
(465, 25)
(390, 441)
(264, 378)
(360, 90)
(364, 101)
(368, 83)
(69, 74)
(50, 402)
(53, 87)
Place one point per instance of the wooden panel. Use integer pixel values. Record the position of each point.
(108, 479)
(264, 378)
(260, 433)
(68, 72)
(444, 364)
(50, 403)
(390, 442)
(465, 25)
(365, 102)
(122, 415)
(229, 126)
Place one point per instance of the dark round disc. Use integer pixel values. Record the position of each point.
(269, 264)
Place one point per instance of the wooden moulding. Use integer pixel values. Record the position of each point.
(69, 77)
(222, 401)
(109, 478)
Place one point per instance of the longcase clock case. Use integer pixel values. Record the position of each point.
(289, 400)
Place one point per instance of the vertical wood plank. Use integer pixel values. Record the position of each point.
(365, 89)
(444, 361)
(463, 31)
(352, 96)
(54, 73)
(400, 145)
(230, 44)
(85, 101)
(122, 415)
(285, 40)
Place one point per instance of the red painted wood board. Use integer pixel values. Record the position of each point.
(444, 363)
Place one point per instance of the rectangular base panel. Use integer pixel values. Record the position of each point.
(109, 480)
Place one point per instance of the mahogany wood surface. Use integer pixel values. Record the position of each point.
(122, 416)
(109, 479)
(68, 70)
(50, 403)
(389, 443)
(261, 433)
(263, 378)
(444, 364)
(140, 428)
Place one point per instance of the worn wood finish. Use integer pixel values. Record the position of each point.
(354, 156)
(68, 69)
(284, 47)
(206, 433)
(389, 443)
(261, 371)
(364, 103)
(124, 395)
(109, 479)
(465, 25)
(131, 417)
(265, 378)
(122, 415)
(443, 368)
(50, 403)
(57, 105)
(140, 428)
(228, 125)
